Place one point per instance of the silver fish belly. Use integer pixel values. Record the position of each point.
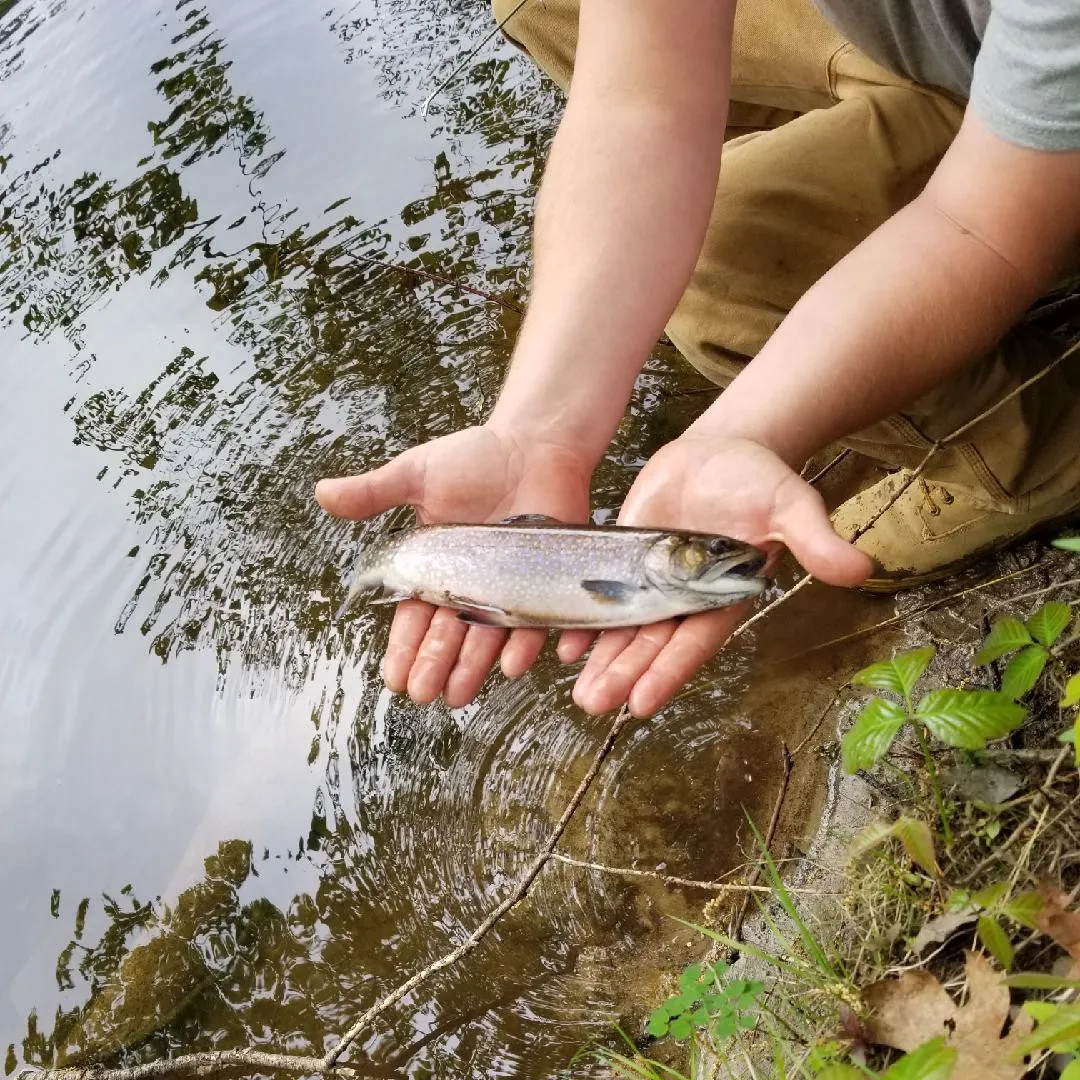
(532, 573)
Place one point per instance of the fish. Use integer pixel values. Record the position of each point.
(532, 570)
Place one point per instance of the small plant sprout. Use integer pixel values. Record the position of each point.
(706, 1004)
(965, 719)
(1030, 643)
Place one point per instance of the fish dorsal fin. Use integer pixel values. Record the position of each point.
(531, 519)
(609, 592)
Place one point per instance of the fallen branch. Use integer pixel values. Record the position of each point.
(672, 879)
(740, 918)
(206, 1063)
(438, 279)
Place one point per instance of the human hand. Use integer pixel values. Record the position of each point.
(734, 487)
(480, 474)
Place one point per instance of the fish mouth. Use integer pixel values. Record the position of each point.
(748, 565)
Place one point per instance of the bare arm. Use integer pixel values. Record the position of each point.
(621, 214)
(924, 295)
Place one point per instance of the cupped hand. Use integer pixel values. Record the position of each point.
(737, 488)
(480, 474)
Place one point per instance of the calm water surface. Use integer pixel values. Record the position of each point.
(216, 828)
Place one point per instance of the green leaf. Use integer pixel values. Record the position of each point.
(1072, 1070)
(1068, 543)
(900, 674)
(1023, 671)
(872, 734)
(841, 1072)
(700, 1017)
(1006, 636)
(969, 719)
(1038, 980)
(874, 834)
(996, 942)
(677, 1004)
(931, 1061)
(989, 895)
(1049, 622)
(724, 1027)
(681, 1027)
(708, 976)
(1023, 908)
(1060, 1026)
(658, 1024)
(1072, 692)
(689, 979)
(918, 842)
(746, 1022)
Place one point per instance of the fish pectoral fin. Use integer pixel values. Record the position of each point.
(610, 592)
(535, 519)
(476, 617)
(473, 605)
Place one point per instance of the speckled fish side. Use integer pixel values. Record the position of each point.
(531, 573)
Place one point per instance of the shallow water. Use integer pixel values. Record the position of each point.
(199, 206)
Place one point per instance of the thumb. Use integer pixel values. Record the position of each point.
(801, 521)
(370, 493)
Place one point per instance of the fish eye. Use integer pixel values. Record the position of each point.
(717, 546)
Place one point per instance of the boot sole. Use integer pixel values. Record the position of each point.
(879, 586)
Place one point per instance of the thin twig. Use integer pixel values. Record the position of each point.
(826, 469)
(770, 832)
(622, 718)
(770, 607)
(895, 620)
(208, 1061)
(438, 279)
(672, 879)
(468, 56)
(820, 720)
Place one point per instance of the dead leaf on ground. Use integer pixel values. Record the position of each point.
(1056, 922)
(942, 927)
(990, 784)
(915, 1008)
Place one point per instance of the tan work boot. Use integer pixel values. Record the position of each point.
(929, 533)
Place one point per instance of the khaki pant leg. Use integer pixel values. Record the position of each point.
(832, 146)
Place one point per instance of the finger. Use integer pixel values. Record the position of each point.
(608, 645)
(692, 645)
(394, 484)
(573, 645)
(411, 621)
(436, 656)
(611, 687)
(478, 654)
(802, 522)
(520, 652)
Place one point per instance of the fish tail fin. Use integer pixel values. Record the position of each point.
(359, 584)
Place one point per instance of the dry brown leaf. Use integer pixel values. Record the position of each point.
(914, 1008)
(1063, 926)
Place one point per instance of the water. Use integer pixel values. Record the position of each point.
(199, 770)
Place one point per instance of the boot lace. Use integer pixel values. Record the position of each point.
(936, 496)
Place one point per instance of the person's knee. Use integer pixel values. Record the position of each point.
(547, 31)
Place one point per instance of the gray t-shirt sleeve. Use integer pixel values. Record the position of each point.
(1026, 87)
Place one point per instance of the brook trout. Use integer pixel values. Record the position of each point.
(536, 571)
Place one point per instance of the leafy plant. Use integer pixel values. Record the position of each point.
(1030, 643)
(1070, 700)
(1058, 1030)
(1068, 543)
(966, 719)
(705, 1003)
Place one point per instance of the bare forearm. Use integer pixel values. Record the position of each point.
(927, 293)
(912, 305)
(621, 215)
